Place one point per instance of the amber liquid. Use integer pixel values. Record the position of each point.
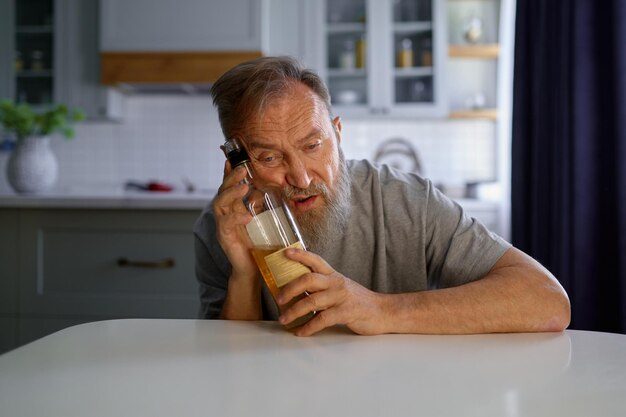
(259, 253)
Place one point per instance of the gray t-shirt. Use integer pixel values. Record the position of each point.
(402, 236)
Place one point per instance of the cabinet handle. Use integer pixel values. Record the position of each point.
(162, 264)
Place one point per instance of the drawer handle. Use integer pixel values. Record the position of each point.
(162, 264)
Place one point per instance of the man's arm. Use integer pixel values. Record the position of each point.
(517, 295)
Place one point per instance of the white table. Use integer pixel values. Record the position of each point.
(219, 368)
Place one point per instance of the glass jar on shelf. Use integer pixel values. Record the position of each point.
(347, 57)
(36, 60)
(405, 55)
(426, 52)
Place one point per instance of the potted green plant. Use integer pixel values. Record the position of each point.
(32, 167)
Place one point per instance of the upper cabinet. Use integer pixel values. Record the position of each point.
(169, 25)
(381, 57)
(152, 43)
(29, 48)
(49, 54)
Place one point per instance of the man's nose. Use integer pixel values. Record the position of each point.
(297, 174)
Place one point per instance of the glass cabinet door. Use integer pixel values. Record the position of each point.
(413, 51)
(346, 49)
(381, 57)
(34, 51)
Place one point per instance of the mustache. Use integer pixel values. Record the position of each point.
(289, 191)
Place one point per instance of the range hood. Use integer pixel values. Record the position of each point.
(168, 72)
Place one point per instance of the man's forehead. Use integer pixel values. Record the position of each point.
(296, 121)
(274, 139)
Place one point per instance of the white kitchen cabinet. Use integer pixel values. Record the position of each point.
(381, 57)
(171, 25)
(72, 266)
(49, 54)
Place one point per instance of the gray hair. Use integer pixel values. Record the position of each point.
(245, 89)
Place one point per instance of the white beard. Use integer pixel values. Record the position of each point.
(319, 224)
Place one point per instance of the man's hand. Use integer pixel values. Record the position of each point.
(231, 216)
(243, 298)
(337, 299)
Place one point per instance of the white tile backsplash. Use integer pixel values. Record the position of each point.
(169, 138)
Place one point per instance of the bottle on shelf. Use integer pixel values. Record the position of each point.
(405, 56)
(272, 230)
(426, 52)
(361, 51)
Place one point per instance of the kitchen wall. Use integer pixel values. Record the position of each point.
(169, 138)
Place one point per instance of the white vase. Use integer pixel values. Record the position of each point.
(32, 167)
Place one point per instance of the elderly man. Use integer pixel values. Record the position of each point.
(387, 251)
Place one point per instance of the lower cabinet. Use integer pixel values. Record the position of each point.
(76, 266)
(8, 333)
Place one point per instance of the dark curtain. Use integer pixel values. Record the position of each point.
(569, 151)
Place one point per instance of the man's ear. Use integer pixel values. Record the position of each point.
(337, 126)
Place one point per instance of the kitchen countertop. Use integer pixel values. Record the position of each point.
(108, 198)
(118, 198)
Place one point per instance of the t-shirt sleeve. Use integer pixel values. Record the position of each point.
(460, 249)
(212, 267)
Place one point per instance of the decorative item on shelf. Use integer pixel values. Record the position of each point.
(405, 56)
(32, 167)
(473, 30)
(476, 101)
(419, 92)
(347, 58)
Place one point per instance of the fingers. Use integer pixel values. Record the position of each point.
(232, 176)
(231, 192)
(322, 320)
(311, 302)
(315, 262)
(230, 200)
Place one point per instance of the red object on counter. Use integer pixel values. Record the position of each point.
(150, 186)
(159, 186)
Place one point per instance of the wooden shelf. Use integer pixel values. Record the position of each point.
(486, 51)
(490, 114)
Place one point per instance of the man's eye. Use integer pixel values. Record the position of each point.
(313, 146)
(268, 159)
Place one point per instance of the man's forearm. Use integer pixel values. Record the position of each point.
(243, 299)
(516, 296)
